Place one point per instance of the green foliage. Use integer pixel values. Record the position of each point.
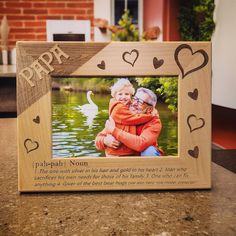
(152, 83)
(169, 90)
(128, 31)
(196, 20)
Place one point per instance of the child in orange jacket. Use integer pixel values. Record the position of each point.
(122, 92)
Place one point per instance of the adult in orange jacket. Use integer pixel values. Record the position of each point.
(126, 121)
(144, 142)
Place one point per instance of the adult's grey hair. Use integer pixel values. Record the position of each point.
(152, 96)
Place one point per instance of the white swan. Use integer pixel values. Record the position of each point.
(90, 110)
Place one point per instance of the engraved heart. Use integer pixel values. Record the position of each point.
(102, 65)
(30, 145)
(194, 153)
(194, 94)
(36, 120)
(157, 63)
(195, 123)
(186, 46)
(130, 57)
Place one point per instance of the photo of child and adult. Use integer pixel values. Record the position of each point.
(106, 117)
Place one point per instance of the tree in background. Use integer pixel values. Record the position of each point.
(169, 91)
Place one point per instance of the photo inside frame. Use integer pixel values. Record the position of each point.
(79, 115)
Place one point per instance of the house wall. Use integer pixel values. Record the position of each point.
(170, 20)
(153, 15)
(162, 13)
(27, 19)
(223, 55)
(102, 9)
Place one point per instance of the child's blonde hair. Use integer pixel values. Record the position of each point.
(120, 84)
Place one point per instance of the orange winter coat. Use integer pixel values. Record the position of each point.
(126, 122)
(147, 135)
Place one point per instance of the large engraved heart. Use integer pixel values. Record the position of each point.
(186, 46)
(195, 123)
(30, 145)
(130, 57)
(194, 153)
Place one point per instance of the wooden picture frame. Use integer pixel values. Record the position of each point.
(38, 61)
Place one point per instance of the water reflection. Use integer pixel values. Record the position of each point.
(89, 110)
(73, 135)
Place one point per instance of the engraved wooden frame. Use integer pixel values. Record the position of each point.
(38, 61)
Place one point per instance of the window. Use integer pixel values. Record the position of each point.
(131, 5)
(135, 8)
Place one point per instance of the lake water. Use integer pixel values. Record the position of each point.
(73, 133)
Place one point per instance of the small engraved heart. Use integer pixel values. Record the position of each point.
(30, 145)
(194, 94)
(194, 153)
(36, 120)
(195, 123)
(186, 46)
(130, 57)
(102, 65)
(157, 63)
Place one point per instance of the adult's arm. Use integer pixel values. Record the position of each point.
(104, 140)
(99, 140)
(139, 143)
